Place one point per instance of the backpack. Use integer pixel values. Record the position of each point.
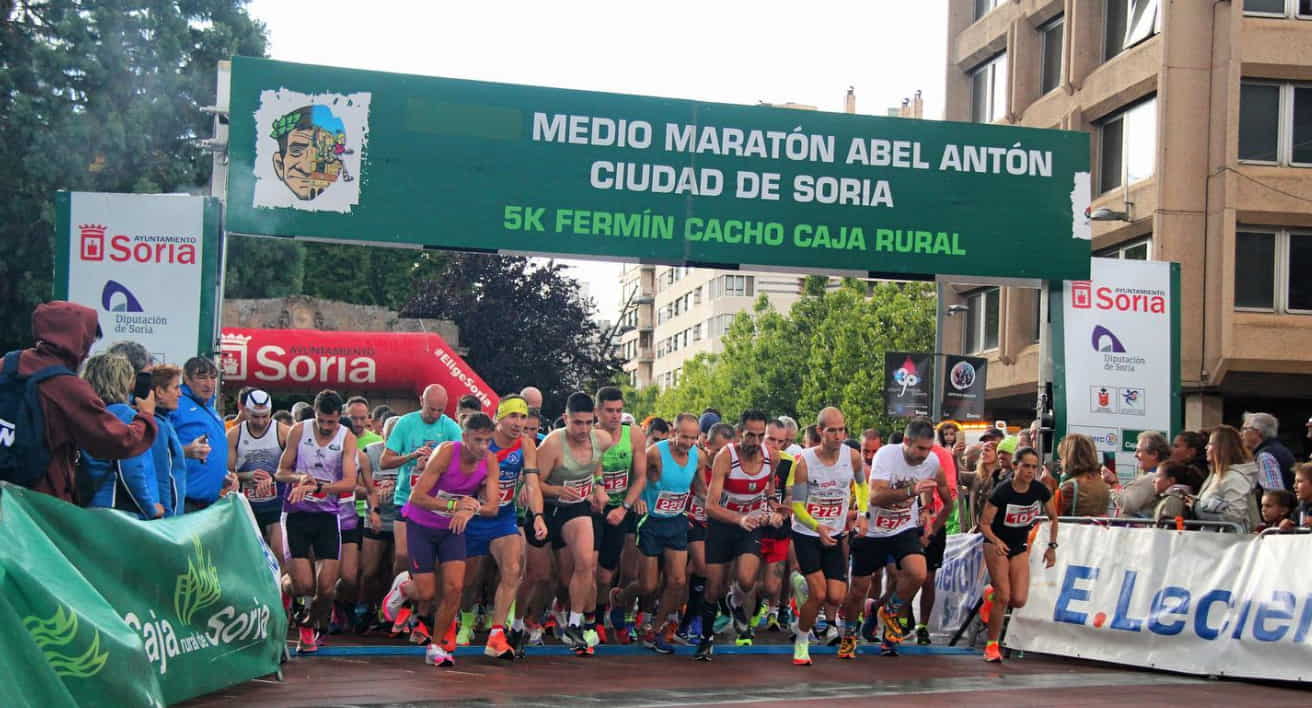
(24, 455)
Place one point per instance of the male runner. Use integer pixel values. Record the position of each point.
(935, 543)
(663, 531)
(499, 536)
(824, 480)
(254, 447)
(375, 552)
(901, 480)
(716, 437)
(737, 503)
(570, 460)
(775, 540)
(319, 462)
(539, 577)
(657, 429)
(624, 472)
(413, 440)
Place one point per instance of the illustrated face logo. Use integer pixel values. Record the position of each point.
(115, 297)
(311, 144)
(906, 377)
(1081, 295)
(962, 376)
(93, 242)
(1105, 341)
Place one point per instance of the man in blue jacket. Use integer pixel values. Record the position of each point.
(199, 425)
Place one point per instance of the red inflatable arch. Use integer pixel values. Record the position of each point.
(307, 359)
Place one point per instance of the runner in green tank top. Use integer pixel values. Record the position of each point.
(570, 461)
(624, 473)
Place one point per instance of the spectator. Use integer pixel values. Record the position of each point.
(1085, 492)
(1227, 494)
(74, 416)
(1190, 448)
(950, 437)
(197, 421)
(1174, 483)
(169, 458)
(1302, 515)
(135, 353)
(992, 435)
(1275, 463)
(1138, 498)
(1308, 426)
(1277, 506)
(1006, 448)
(126, 484)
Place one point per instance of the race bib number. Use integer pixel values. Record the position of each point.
(891, 519)
(506, 495)
(697, 509)
(743, 504)
(581, 487)
(1018, 516)
(616, 482)
(671, 503)
(250, 489)
(826, 509)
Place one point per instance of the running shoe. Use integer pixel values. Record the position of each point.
(801, 652)
(466, 634)
(402, 622)
(664, 638)
(895, 625)
(497, 646)
(741, 623)
(437, 655)
(360, 618)
(395, 598)
(721, 623)
(695, 628)
(922, 635)
(745, 638)
(535, 637)
(772, 623)
(309, 641)
(986, 607)
(685, 637)
(705, 648)
(336, 620)
(992, 653)
(847, 647)
(784, 619)
(887, 648)
(616, 613)
(649, 637)
(518, 642)
(800, 589)
(572, 637)
(420, 634)
(870, 624)
(832, 635)
(762, 618)
(600, 631)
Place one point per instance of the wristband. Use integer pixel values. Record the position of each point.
(627, 506)
(1052, 545)
(451, 505)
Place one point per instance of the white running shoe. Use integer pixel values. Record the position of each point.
(396, 596)
(435, 655)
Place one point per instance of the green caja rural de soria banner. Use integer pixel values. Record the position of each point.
(397, 159)
(99, 609)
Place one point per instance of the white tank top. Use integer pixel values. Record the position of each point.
(828, 491)
(258, 453)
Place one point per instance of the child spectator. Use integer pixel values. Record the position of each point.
(1277, 505)
(1174, 483)
(1302, 514)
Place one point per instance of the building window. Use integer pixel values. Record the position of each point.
(1138, 250)
(697, 295)
(697, 332)
(982, 320)
(1269, 264)
(1278, 8)
(1129, 22)
(737, 285)
(1275, 123)
(1052, 45)
(984, 7)
(1128, 145)
(988, 90)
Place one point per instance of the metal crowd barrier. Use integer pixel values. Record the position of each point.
(1191, 524)
(1277, 532)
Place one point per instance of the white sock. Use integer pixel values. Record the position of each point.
(575, 619)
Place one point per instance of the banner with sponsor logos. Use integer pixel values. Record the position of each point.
(147, 263)
(309, 360)
(1116, 350)
(963, 387)
(959, 583)
(338, 153)
(908, 383)
(1188, 601)
(134, 613)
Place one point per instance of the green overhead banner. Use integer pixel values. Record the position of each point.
(397, 159)
(99, 609)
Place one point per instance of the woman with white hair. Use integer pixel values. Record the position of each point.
(129, 484)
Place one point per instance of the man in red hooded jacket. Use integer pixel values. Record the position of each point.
(75, 417)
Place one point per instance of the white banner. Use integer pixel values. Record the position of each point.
(137, 259)
(959, 584)
(1190, 601)
(1117, 347)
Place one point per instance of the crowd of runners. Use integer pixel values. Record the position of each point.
(495, 529)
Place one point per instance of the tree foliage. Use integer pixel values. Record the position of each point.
(263, 267)
(828, 350)
(100, 96)
(523, 325)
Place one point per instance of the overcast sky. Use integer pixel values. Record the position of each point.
(713, 50)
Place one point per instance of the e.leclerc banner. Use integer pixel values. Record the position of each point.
(908, 383)
(391, 158)
(100, 609)
(1199, 603)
